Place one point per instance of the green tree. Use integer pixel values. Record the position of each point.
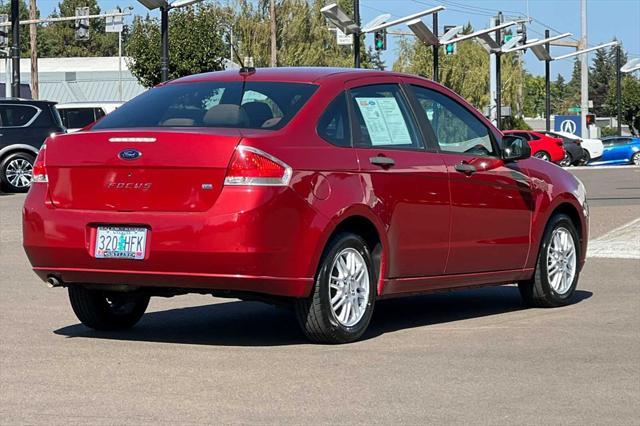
(302, 39)
(601, 74)
(573, 88)
(58, 39)
(194, 46)
(534, 89)
(560, 98)
(5, 8)
(630, 103)
(465, 72)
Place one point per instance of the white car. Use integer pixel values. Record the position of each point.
(76, 115)
(593, 147)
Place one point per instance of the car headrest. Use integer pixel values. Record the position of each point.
(225, 115)
(258, 113)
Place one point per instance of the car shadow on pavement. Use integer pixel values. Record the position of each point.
(240, 323)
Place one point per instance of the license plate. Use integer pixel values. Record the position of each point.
(120, 242)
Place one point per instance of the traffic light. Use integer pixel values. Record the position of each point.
(449, 49)
(380, 40)
(82, 25)
(522, 32)
(591, 119)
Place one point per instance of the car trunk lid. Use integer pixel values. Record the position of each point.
(136, 170)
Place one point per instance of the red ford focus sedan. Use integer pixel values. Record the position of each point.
(329, 189)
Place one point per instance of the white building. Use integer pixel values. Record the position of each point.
(86, 79)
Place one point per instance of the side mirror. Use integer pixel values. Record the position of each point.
(515, 148)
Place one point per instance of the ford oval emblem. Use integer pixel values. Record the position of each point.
(130, 154)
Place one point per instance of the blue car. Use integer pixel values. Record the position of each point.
(619, 150)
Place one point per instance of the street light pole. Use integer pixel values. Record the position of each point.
(547, 85)
(619, 87)
(356, 36)
(498, 76)
(436, 51)
(15, 48)
(164, 43)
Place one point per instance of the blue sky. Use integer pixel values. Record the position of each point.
(606, 19)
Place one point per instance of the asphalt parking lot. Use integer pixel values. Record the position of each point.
(471, 357)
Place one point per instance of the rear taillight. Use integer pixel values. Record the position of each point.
(578, 141)
(559, 142)
(39, 171)
(253, 167)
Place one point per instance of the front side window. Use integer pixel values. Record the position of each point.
(333, 126)
(250, 105)
(383, 117)
(17, 115)
(456, 129)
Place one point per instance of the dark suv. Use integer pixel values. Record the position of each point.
(24, 126)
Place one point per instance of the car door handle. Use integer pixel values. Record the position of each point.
(465, 168)
(382, 161)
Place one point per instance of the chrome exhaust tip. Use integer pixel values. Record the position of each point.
(53, 282)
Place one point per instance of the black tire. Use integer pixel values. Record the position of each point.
(567, 160)
(543, 155)
(538, 291)
(107, 310)
(12, 160)
(315, 315)
(635, 159)
(586, 157)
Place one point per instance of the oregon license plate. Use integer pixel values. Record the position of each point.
(121, 242)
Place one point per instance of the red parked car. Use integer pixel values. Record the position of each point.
(542, 146)
(327, 188)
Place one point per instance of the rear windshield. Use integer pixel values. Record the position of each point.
(253, 105)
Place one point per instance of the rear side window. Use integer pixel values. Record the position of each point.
(383, 117)
(17, 115)
(252, 105)
(76, 118)
(333, 126)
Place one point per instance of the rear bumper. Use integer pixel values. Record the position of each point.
(259, 240)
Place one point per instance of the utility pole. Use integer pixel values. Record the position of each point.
(547, 85)
(619, 87)
(436, 51)
(584, 71)
(274, 48)
(164, 43)
(498, 76)
(33, 40)
(356, 36)
(15, 49)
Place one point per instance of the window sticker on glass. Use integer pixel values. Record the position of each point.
(384, 121)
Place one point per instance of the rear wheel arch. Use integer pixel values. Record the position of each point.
(18, 148)
(372, 234)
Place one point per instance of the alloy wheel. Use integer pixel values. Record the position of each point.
(542, 155)
(636, 159)
(561, 260)
(19, 173)
(567, 160)
(349, 287)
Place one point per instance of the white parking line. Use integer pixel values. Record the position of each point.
(621, 243)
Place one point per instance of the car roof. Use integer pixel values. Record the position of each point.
(88, 104)
(289, 75)
(26, 101)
